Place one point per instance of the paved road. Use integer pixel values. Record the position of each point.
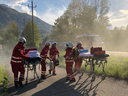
(57, 86)
(112, 53)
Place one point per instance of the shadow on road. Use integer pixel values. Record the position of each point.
(12, 91)
(63, 88)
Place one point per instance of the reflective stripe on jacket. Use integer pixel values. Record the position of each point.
(69, 55)
(44, 53)
(53, 52)
(17, 55)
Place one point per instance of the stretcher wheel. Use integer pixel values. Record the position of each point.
(93, 78)
(103, 77)
(26, 82)
(38, 80)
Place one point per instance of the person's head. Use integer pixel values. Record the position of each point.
(69, 45)
(47, 43)
(79, 44)
(22, 40)
(54, 44)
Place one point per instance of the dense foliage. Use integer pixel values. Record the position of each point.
(9, 36)
(89, 17)
(27, 33)
(81, 17)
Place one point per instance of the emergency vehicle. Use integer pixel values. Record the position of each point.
(89, 41)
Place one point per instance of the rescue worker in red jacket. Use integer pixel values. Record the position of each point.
(16, 62)
(78, 61)
(44, 56)
(69, 62)
(53, 52)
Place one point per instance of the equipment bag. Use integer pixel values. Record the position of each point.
(75, 53)
(99, 52)
(93, 50)
(56, 62)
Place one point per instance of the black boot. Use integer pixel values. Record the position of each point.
(20, 83)
(49, 71)
(54, 74)
(16, 86)
(43, 77)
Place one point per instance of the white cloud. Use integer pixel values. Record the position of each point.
(20, 8)
(52, 14)
(110, 14)
(119, 18)
(18, 1)
(124, 12)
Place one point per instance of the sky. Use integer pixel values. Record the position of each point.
(50, 10)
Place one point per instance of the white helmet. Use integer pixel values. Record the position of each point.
(54, 43)
(22, 40)
(79, 43)
(69, 44)
(47, 42)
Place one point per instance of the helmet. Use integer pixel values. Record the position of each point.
(22, 40)
(54, 43)
(79, 43)
(69, 45)
(47, 43)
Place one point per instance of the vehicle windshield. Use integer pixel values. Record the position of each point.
(95, 38)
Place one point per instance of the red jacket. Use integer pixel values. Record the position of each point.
(53, 52)
(69, 55)
(17, 55)
(44, 53)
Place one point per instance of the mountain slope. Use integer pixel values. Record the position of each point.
(8, 14)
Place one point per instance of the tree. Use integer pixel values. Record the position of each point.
(82, 17)
(10, 36)
(27, 33)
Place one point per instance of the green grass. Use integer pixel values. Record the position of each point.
(3, 79)
(115, 67)
(1, 75)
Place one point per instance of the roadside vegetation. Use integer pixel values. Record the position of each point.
(115, 67)
(3, 80)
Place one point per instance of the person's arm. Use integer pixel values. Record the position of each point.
(21, 52)
(82, 47)
(57, 52)
(42, 53)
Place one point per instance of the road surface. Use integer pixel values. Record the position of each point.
(112, 53)
(57, 86)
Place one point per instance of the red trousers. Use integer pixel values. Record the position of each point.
(16, 68)
(78, 64)
(53, 66)
(69, 71)
(43, 68)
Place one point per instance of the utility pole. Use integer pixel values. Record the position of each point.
(32, 20)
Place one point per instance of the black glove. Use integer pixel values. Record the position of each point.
(29, 59)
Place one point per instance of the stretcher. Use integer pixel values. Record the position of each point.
(32, 63)
(94, 60)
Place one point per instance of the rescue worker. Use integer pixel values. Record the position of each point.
(16, 62)
(69, 62)
(44, 56)
(78, 61)
(53, 52)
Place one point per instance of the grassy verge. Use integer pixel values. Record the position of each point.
(3, 79)
(115, 67)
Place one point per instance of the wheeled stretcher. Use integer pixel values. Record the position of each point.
(93, 60)
(32, 63)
